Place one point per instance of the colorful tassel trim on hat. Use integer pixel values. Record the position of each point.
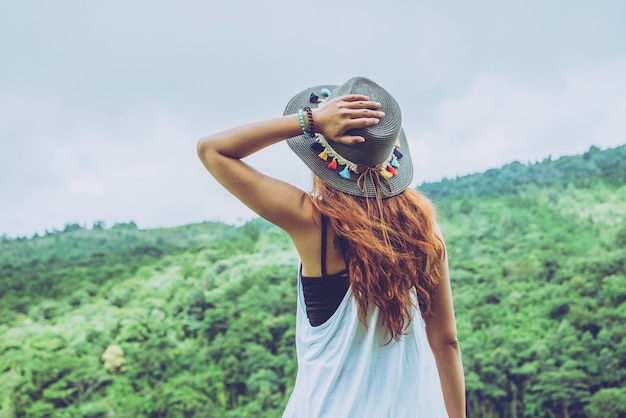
(394, 161)
(325, 151)
(386, 174)
(314, 98)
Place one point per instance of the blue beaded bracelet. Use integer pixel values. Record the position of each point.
(309, 115)
(303, 124)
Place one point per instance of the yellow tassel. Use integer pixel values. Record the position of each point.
(323, 155)
(386, 174)
(397, 143)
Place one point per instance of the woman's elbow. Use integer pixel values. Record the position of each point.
(202, 146)
(444, 339)
(447, 342)
(452, 343)
(204, 149)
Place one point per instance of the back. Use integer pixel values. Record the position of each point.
(346, 370)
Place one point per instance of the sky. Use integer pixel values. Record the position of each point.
(102, 103)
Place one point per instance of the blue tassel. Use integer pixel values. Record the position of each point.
(325, 92)
(394, 162)
(345, 173)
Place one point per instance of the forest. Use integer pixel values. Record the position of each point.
(198, 320)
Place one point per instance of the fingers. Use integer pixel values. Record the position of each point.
(360, 109)
(362, 123)
(357, 101)
(362, 104)
(366, 113)
(350, 139)
(341, 114)
(355, 97)
(361, 114)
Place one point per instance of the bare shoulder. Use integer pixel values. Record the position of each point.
(303, 221)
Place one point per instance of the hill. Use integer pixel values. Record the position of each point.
(198, 321)
(608, 166)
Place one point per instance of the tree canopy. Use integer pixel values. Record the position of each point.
(198, 320)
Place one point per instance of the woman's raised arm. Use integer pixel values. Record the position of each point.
(274, 200)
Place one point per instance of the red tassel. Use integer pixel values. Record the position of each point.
(333, 164)
(392, 170)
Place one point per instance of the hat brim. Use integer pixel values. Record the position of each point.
(301, 146)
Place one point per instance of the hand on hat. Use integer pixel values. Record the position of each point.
(341, 114)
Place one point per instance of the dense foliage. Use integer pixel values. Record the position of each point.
(198, 321)
(578, 171)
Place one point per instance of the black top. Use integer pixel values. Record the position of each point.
(322, 295)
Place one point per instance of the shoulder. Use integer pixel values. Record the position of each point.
(300, 219)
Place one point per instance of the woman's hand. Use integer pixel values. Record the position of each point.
(341, 114)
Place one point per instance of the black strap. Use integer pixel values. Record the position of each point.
(323, 295)
(323, 261)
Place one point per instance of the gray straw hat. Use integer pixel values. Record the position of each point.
(380, 166)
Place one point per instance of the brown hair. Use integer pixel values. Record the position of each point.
(391, 247)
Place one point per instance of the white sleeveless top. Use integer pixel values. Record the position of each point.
(346, 370)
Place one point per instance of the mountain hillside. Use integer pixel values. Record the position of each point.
(608, 166)
(198, 321)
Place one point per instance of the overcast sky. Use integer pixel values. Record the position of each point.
(102, 103)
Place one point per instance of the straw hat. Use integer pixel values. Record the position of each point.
(380, 166)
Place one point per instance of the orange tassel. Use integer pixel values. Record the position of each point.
(386, 174)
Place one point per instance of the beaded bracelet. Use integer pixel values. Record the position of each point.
(302, 124)
(309, 114)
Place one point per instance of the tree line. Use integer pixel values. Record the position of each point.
(198, 320)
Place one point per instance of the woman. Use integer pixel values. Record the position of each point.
(375, 331)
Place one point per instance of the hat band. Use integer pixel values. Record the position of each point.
(387, 169)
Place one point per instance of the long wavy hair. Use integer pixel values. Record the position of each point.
(391, 247)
